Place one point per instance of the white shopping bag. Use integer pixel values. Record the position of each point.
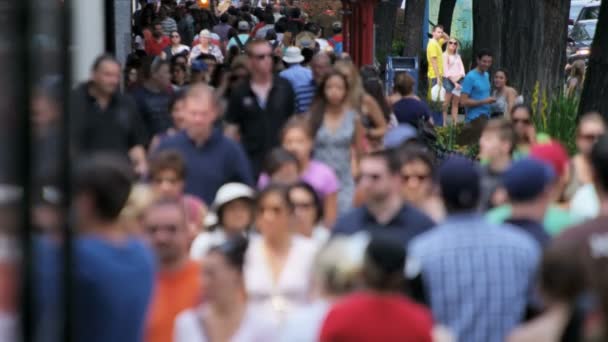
(437, 93)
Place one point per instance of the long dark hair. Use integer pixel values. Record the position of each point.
(373, 86)
(319, 104)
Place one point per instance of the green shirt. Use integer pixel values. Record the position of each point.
(556, 219)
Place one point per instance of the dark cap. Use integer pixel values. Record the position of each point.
(459, 179)
(527, 178)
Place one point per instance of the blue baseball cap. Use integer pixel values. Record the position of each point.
(527, 178)
(459, 180)
(395, 137)
(199, 66)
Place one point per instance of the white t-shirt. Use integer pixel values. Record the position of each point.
(254, 328)
(305, 324)
(293, 287)
(585, 203)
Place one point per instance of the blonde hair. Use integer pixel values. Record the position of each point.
(140, 198)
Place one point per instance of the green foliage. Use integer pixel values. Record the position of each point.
(466, 54)
(447, 137)
(556, 116)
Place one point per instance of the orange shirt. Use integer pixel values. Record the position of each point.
(174, 293)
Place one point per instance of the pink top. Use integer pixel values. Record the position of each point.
(320, 176)
(452, 66)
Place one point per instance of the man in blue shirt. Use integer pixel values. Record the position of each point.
(384, 214)
(478, 276)
(212, 159)
(300, 78)
(113, 273)
(476, 88)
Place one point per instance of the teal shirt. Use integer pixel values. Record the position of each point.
(556, 219)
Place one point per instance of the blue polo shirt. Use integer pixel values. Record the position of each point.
(477, 86)
(209, 166)
(408, 223)
(303, 85)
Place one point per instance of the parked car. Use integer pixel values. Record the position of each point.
(575, 9)
(590, 11)
(580, 40)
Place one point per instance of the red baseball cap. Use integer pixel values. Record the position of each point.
(552, 153)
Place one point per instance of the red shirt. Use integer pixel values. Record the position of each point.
(154, 48)
(370, 317)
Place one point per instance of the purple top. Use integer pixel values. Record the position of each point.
(320, 176)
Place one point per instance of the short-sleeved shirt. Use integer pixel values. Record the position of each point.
(408, 223)
(243, 38)
(175, 291)
(411, 111)
(477, 86)
(216, 162)
(320, 176)
(154, 48)
(116, 129)
(433, 50)
(260, 123)
(556, 218)
(303, 85)
(365, 317)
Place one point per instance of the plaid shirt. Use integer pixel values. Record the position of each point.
(478, 276)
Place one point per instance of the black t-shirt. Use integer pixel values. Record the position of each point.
(153, 108)
(260, 125)
(118, 128)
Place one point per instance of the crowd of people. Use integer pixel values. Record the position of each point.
(256, 185)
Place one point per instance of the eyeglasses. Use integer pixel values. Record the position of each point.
(453, 43)
(589, 137)
(420, 178)
(522, 121)
(262, 56)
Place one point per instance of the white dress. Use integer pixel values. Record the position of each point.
(254, 328)
(305, 324)
(293, 287)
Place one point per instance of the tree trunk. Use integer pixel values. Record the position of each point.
(414, 19)
(446, 12)
(534, 45)
(384, 19)
(487, 27)
(595, 91)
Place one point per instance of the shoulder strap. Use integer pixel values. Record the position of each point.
(240, 43)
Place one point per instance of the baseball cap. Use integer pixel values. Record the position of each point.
(199, 66)
(527, 178)
(553, 153)
(243, 25)
(459, 182)
(399, 135)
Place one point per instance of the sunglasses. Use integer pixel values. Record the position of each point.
(522, 121)
(420, 178)
(262, 57)
(453, 43)
(174, 36)
(589, 137)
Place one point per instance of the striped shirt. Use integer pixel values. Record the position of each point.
(303, 85)
(478, 276)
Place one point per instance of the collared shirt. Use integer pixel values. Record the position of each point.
(259, 125)
(209, 166)
(303, 85)
(117, 128)
(477, 86)
(478, 276)
(404, 226)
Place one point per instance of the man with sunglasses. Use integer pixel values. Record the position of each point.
(260, 107)
(384, 214)
(178, 284)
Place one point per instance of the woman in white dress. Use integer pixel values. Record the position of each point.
(279, 262)
(225, 315)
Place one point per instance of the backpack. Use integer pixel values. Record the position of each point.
(241, 45)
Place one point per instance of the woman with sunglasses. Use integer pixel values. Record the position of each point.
(176, 47)
(225, 315)
(454, 73)
(521, 116)
(506, 96)
(584, 201)
(278, 262)
(308, 210)
(417, 171)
